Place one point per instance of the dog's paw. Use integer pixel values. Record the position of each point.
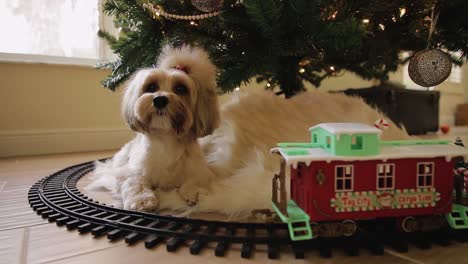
(146, 202)
(191, 194)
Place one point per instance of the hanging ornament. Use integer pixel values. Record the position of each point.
(429, 67)
(208, 5)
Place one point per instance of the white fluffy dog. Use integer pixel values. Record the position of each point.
(170, 106)
(180, 161)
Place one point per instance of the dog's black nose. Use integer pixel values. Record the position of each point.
(160, 101)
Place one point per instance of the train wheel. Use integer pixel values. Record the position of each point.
(330, 229)
(349, 227)
(409, 224)
(334, 229)
(315, 227)
(432, 222)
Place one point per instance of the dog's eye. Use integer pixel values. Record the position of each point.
(180, 89)
(151, 88)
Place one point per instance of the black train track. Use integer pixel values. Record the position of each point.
(57, 198)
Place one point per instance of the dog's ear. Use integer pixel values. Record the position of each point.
(131, 93)
(206, 116)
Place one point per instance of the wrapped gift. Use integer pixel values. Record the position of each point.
(416, 110)
(461, 115)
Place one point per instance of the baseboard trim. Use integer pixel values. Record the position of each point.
(21, 143)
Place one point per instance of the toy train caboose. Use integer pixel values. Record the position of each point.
(347, 174)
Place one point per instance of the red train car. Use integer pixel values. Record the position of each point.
(347, 174)
(373, 188)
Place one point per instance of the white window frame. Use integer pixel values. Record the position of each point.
(105, 53)
(418, 174)
(344, 178)
(385, 176)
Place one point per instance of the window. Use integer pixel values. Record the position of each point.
(328, 141)
(385, 176)
(356, 142)
(425, 174)
(315, 138)
(53, 31)
(344, 178)
(300, 168)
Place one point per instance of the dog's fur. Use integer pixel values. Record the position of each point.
(165, 154)
(230, 169)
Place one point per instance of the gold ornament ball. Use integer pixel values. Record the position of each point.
(429, 67)
(208, 5)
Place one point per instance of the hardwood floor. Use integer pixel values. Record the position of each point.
(27, 238)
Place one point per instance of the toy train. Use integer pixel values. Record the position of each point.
(346, 174)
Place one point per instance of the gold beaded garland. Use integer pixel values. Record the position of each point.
(208, 5)
(158, 11)
(429, 67)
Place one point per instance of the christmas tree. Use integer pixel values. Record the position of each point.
(285, 42)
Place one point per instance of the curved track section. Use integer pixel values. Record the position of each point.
(57, 198)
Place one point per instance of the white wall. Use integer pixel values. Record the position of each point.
(53, 109)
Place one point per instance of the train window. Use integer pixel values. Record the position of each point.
(328, 141)
(339, 170)
(348, 184)
(344, 177)
(425, 174)
(315, 138)
(356, 142)
(385, 176)
(300, 167)
(339, 185)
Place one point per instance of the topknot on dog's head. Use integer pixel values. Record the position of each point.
(198, 66)
(192, 60)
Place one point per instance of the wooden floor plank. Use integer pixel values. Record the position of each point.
(15, 211)
(48, 162)
(12, 246)
(138, 254)
(49, 242)
(20, 180)
(456, 253)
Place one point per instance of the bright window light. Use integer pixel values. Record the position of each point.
(63, 28)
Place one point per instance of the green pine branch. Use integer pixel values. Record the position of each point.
(270, 39)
